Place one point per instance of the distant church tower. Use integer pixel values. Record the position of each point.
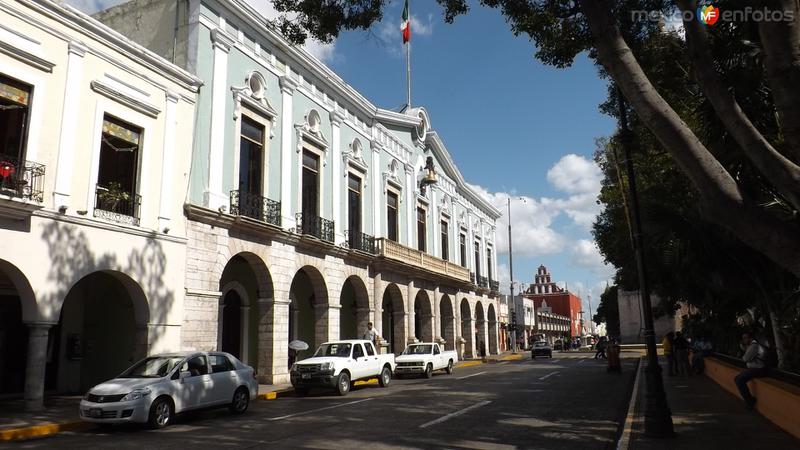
(543, 284)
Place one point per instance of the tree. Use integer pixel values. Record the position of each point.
(561, 29)
(608, 311)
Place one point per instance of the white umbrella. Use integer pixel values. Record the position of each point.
(298, 345)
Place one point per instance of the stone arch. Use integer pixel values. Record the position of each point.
(308, 308)
(393, 318)
(27, 298)
(493, 340)
(467, 329)
(447, 320)
(481, 346)
(17, 307)
(355, 311)
(103, 329)
(423, 317)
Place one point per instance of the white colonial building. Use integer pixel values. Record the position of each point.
(310, 210)
(95, 146)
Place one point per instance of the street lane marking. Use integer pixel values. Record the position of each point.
(581, 361)
(548, 375)
(319, 409)
(455, 414)
(473, 375)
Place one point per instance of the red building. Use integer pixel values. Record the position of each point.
(561, 301)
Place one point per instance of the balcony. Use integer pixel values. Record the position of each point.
(316, 226)
(494, 285)
(256, 207)
(114, 204)
(21, 179)
(357, 240)
(483, 281)
(392, 250)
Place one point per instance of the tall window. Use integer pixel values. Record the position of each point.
(353, 207)
(421, 229)
(445, 233)
(310, 184)
(489, 263)
(15, 101)
(462, 244)
(391, 215)
(477, 259)
(118, 168)
(251, 157)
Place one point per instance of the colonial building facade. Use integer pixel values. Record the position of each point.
(95, 144)
(310, 210)
(562, 302)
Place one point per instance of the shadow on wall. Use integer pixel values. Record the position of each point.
(98, 301)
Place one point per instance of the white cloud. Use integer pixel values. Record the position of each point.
(93, 6)
(575, 174)
(324, 52)
(390, 37)
(586, 254)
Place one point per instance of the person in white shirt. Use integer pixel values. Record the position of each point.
(755, 359)
(371, 335)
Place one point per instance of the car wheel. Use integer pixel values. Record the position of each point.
(241, 400)
(429, 370)
(343, 384)
(386, 377)
(449, 369)
(160, 413)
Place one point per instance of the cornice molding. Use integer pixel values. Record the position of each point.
(222, 40)
(118, 96)
(27, 57)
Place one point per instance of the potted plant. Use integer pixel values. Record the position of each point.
(112, 195)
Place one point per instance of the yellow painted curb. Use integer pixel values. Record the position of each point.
(46, 429)
(469, 363)
(516, 357)
(367, 382)
(273, 394)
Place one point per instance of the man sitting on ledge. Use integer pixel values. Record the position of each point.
(755, 358)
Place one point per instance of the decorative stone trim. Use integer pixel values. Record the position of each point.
(141, 106)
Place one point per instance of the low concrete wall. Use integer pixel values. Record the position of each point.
(777, 401)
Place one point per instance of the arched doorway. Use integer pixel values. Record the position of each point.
(492, 331)
(354, 314)
(102, 330)
(393, 318)
(243, 282)
(467, 329)
(480, 330)
(447, 331)
(308, 310)
(423, 317)
(13, 331)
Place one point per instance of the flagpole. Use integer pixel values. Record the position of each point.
(408, 67)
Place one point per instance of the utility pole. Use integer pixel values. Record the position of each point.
(657, 415)
(511, 273)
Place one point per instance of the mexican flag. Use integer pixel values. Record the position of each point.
(405, 26)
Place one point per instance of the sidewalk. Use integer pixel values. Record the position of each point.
(706, 416)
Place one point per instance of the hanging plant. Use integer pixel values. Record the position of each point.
(112, 195)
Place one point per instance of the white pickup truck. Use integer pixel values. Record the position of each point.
(338, 364)
(424, 358)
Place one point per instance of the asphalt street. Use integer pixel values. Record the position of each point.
(569, 402)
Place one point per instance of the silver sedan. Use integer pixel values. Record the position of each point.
(156, 388)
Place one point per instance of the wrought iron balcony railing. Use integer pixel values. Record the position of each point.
(494, 285)
(315, 226)
(357, 240)
(117, 205)
(255, 207)
(22, 179)
(483, 282)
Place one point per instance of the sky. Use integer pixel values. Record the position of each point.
(516, 128)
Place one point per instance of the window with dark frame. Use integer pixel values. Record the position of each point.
(391, 215)
(421, 229)
(462, 243)
(15, 101)
(251, 157)
(117, 176)
(445, 236)
(489, 263)
(477, 259)
(353, 207)
(310, 185)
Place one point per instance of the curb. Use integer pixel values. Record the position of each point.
(624, 442)
(43, 430)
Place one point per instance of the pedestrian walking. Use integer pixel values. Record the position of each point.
(666, 345)
(601, 349)
(680, 350)
(372, 335)
(701, 347)
(755, 357)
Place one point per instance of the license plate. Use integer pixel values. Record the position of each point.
(95, 412)
(305, 376)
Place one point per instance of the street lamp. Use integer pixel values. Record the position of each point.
(657, 415)
(511, 269)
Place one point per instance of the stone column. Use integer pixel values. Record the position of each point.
(338, 174)
(244, 350)
(214, 197)
(377, 299)
(363, 315)
(331, 323)
(411, 207)
(377, 190)
(468, 324)
(38, 333)
(287, 211)
(273, 340)
(69, 126)
(437, 316)
(167, 157)
(412, 298)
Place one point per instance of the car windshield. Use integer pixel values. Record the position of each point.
(152, 367)
(540, 344)
(339, 349)
(418, 350)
